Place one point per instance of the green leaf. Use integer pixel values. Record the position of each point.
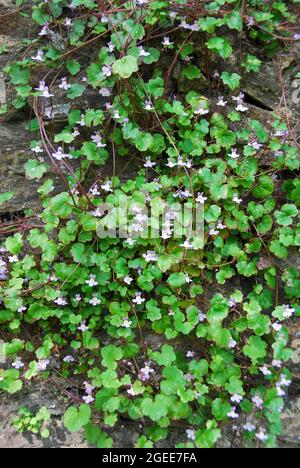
(220, 46)
(34, 169)
(4, 197)
(256, 349)
(231, 79)
(176, 280)
(126, 66)
(75, 419)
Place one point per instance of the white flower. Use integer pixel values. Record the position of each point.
(191, 434)
(82, 121)
(277, 363)
(68, 22)
(128, 280)
(234, 154)
(37, 149)
(97, 139)
(83, 327)
(130, 241)
(249, 427)
(22, 309)
(201, 316)
(95, 301)
(92, 282)
(126, 323)
(201, 111)
(145, 373)
(95, 191)
(261, 435)
(265, 371)
(131, 391)
(13, 259)
(284, 381)
(237, 200)
(44, 90)
(148, 105)
(221, 102)
(61, 301)
(76, 132)
(149, 163)
(280, 392)
(277, 326)
(18, 364)
(107, 187)
(88, 399)
(143, 53)
(39, 57)
(232, 344)
(111, 47)
(68, 359)
(190, 354)
(44, 31)
(150, 256)
(64, 84)
(105, 92)
(288, 311)
(214, 232)
(236, 398)
(258, 401)
(233, 414)
(42, 365)
(201, 198)
(166, 42)
(138, 299)
(232, 303)
(107, 70)
(187, 244)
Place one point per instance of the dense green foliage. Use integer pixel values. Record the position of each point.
(93, 303)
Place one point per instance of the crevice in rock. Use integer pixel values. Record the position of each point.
(257, 103)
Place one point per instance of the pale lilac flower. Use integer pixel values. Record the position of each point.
(126, 323)
(234, 154)
(13, 259)
(145, 373)
(142, 52)
(22, 309)
(277, 326)
(221, 102)
(201, 110)
(265, 371)
(191, 434)
(249, 427)
(39, 57)
(44, 31)
(107, 70)
(277, 363)
(131, 391)
(261, 435)
(37, 149)
(150, 256)
(190, 354)
(68, 359)
(288, 311)
(236, 398)
(128, 280)
(107, 187)
(97, 139)
(64, 84)
(259, 402)
(61, 301)
(280, 391)
(148, 105)
(42, 365)
(149, 164)
(18, 364)
(68, 22)
(88, 399)
(89, 388)
(284, 381)
(186, 244)
(92, 281)
(105, 92)
(232, 344)
(138, 299)
(44, 90)
(201, 316)
(83, 327)
(166, 42)
(201, 198)
(233, 414)
(232, 303)
(95, 301)
(111, 47)
(296, 37)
